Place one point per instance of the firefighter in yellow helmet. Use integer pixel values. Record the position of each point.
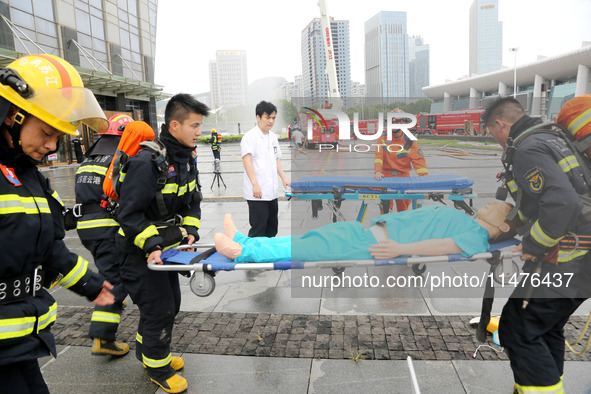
(41, 98)
(216, 141)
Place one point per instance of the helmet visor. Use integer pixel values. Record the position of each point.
(73, 105)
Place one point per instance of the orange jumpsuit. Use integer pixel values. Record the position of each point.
(402, 157)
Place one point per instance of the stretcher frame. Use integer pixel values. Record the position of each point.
(335, 195)
(202, 282)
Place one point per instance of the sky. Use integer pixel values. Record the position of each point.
(189, 32)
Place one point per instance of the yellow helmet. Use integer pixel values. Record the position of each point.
(51, 89)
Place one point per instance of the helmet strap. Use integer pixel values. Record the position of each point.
(15, 129)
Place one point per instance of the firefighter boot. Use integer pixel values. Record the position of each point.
(175, 384)
(176, 363)
(103, 347)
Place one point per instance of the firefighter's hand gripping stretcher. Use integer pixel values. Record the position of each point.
(438, 233)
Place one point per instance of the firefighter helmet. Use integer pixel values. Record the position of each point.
(117, 124)
(51, 89)
(575, 116)
(214, 131)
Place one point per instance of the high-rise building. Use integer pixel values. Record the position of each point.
(486, 37)
(386, 56)
(314, 78)
(357, 89)
(111, 43)
(418, 66)
(228, 79)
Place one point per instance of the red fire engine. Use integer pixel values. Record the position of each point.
(465, 122)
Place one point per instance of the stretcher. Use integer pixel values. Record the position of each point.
(202, 282)
(336, 189)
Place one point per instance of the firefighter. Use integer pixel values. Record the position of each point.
(216, 142)
(41, 98)
(153, 219)
(396, 158)
(545, 179)
(97, 228)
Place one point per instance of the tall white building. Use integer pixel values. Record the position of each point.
(228, 79)
(386, 56)
(314, 78)
(486, 37)
(418, 65)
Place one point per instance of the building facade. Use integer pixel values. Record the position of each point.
(228, 79)
(486, 37)
(543, 86)
(387, 56)
(418, 66)
(111, 43)
(314, 78)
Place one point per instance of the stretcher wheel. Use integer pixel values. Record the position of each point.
(419, 269)
(338, 270)
(206, 288)
(498, 273)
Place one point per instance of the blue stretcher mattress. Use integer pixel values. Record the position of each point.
(397, 184)
(217, 262)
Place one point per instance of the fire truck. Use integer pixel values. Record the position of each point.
(465, 122)
(321, 134)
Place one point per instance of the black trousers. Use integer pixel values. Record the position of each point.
(105, 319)
(262, 216)
(23, 377)
(534, 338)
(158, 297)
(216, 154)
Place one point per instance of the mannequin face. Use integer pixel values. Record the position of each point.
(492, 217)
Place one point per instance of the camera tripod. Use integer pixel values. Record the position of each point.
(217, 175)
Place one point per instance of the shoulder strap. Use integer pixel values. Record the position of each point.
(159, 159)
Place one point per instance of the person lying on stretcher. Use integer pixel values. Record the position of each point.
(429, 231)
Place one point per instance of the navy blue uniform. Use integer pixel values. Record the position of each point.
(550, 179)
(97, 230)
(156, 293)
(32, 232)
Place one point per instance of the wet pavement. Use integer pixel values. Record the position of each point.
(252, 334)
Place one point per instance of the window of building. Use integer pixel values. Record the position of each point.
(82, 21)
(44, 8)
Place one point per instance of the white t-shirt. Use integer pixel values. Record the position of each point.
(265, 151)
(298, 137)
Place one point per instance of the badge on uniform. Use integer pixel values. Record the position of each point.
(535, 179)
(10, 175)
(171, 171)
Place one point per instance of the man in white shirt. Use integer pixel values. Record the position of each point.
(261, 158)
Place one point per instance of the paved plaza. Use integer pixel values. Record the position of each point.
(252, 334)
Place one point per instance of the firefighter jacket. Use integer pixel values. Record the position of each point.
(215, 141)
(551, 180)
(399, 156)
(139, 214)
(32, 232)
(96, 223)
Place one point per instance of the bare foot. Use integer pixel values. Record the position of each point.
(226, 247)
(229, 226)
